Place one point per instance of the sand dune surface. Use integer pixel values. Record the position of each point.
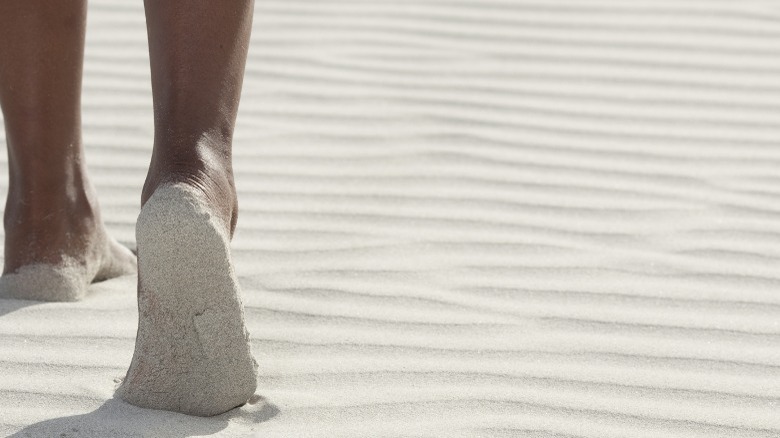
(479, 218)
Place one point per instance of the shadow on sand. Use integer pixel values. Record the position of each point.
(9, 305)
(116, 418)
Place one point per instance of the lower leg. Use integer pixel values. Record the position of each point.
(51, 214)
(192, 350)
(197, 54)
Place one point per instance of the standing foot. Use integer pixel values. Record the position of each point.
(53, 253)
(192, 351)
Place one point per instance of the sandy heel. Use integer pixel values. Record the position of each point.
(192, 351)
(43, 282)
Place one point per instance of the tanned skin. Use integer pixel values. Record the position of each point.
(198, 53)
(51, 211)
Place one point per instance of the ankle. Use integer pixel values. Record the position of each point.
(205, 166)
(48, 228)
(34, 205)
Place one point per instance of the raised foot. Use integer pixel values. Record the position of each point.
(69, 279)
(192, 351)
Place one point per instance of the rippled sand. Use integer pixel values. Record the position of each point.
(459, 219)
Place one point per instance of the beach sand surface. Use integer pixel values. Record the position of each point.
(458, 218)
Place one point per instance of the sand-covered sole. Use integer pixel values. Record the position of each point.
(192, 350)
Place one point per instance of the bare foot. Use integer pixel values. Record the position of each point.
(54, 250)
(192, 351)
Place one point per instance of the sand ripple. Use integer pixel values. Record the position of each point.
(463, 219)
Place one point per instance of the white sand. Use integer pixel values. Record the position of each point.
(461, 219)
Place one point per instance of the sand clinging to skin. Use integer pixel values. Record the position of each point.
(69, 279)
(192, 349)
(43, 282)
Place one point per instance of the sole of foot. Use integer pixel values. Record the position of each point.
(192, 352)
(70, 279)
